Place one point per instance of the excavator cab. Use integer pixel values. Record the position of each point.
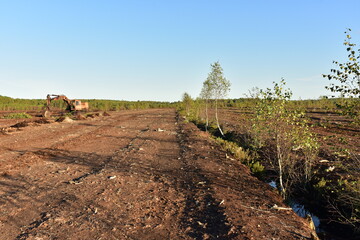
(79, 106)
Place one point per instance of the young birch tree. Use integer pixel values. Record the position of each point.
(206, 95)
(347, 78)
(219, 87)
(187, 102)
(286, 131)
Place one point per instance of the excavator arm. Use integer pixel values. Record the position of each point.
(52, 97)
(72, 105)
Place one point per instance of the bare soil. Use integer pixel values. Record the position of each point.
(132, 175)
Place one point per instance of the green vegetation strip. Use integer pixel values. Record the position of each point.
(17, 116)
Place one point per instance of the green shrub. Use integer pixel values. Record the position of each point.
(17, 116)
(257, 169)
(238, 152)
(243, 155)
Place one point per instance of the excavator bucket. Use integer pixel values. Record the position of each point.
(47, 114)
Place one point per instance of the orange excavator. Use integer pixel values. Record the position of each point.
(72, 105)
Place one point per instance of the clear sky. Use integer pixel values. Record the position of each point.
(159, 49)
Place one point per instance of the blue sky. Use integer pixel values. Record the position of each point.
(158, 49)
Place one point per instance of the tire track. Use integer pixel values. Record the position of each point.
(181, 190)
(109, 163)
(204, 217)
(16, 187)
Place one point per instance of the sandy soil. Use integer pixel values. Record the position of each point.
(132, 175)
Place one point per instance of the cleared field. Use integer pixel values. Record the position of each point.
(132, 175)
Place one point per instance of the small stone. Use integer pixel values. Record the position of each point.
(206, 236)
(188, 229)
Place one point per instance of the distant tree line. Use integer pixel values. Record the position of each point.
(15, 104)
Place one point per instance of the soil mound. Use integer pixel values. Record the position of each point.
(42, 121)
(80, 117)
(65, 119)
(20, 125)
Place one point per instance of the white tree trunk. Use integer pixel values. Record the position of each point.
(207, 116)
(280, 159)
(217, 120)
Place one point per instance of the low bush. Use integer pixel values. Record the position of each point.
(283, 137)
(17, 116)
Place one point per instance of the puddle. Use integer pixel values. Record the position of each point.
(273, 184)
(300, 209)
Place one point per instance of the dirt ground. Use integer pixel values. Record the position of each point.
(132, 175)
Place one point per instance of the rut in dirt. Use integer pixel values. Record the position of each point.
(204, 217)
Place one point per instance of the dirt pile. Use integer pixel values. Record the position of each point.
(20, 124)
(80, 117)
(65, 119)
(42, 121)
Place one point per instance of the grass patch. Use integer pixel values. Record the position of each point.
(17, 116)
(245, 156)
